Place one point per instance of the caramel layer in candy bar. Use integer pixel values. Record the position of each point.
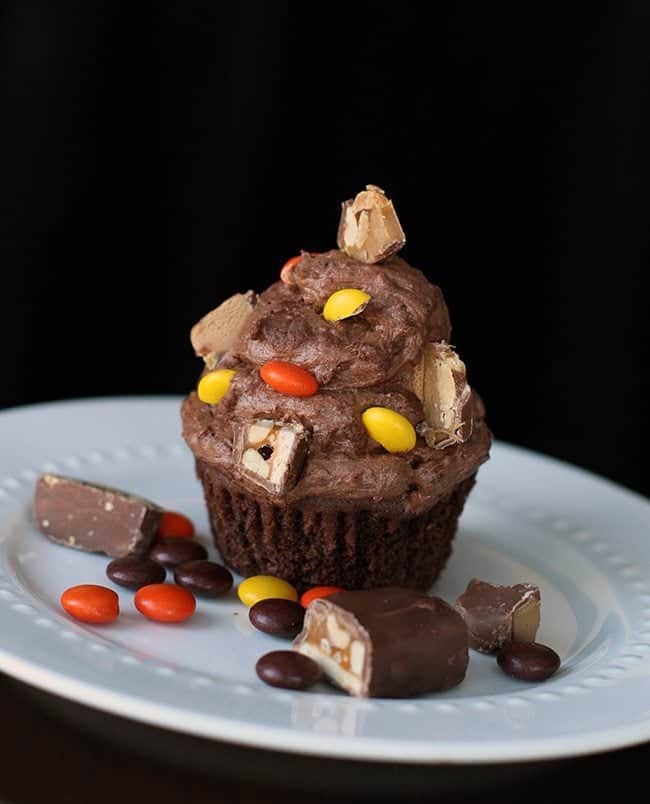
(386, 643)
(272, 453)
(496, 615)
(96, 518)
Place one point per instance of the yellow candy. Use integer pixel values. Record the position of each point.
(392, 430)
(345, 303)
(214, 385)
(259, 587)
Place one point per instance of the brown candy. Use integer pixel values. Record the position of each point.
(288, 669)
(99, 519)
(173, 551)
(383, 643)
(528, 661)
(134, 572)
(277, 616)
(496, 615)
(205, 578)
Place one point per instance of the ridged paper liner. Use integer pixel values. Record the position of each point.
(351, 549)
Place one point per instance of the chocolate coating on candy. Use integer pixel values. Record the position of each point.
(383, 643)
(205, 578)
(134, 572)
(496, 615)
(288, 670)
(173, 551)
(277, 616)
(528, 661)
(99, 519)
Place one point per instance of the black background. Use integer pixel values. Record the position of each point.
(158, 159)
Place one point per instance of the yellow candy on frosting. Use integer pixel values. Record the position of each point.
(345, 303)
(392, 430)
(214, 385)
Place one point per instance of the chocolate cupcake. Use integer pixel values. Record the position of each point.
(333, 428)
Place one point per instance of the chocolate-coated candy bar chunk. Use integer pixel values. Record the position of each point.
(272, 453)
(496, 615)
(369, 229)
(96, 518)
(386, 643)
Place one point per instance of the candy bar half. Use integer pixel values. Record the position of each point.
(386, 643)
(496, 615)
(99, 519)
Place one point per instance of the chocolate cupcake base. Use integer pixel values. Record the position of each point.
(351, 549)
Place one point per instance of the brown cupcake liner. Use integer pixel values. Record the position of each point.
(351, 549)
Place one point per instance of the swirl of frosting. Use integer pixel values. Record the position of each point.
(405, 312)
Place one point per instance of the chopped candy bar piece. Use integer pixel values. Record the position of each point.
(389, 642)
(218, 330)
(95, 518)
(496, 615)
(272, 453)
(439, 380)
(370, 230)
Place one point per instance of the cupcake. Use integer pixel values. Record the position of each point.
(333, 428)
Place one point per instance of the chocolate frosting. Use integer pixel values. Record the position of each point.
(359, 362)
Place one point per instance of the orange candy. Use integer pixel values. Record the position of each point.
(165, 602)
(175, 525)
(287, 269)
(91, 603)
(289, 379)
(318, 591)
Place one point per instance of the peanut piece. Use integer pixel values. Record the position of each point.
(357, 657)
(255, 463)
(338, 636)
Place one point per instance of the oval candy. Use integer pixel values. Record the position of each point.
(316, 592)
(389, 428)
(91, 603)
(175, 525)
(288, 669)
(165, 603)
(528, 661)
(260, 587)
(289, 379)
(214, 385)
(345, 303)
(135, 571)
(287, 270)
(277, 616)
(172, 551)
(204, 578)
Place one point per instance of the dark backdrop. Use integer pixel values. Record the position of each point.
(155, 160)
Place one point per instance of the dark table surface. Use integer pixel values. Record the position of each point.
(56, 751)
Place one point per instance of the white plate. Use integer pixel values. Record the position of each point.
(583, 540)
